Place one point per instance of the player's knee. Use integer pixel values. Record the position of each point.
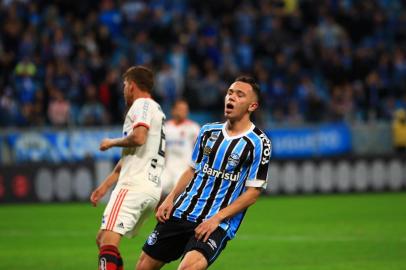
(147, 263)
(99, 239)
(109, 238)
(192, 266)
(142, 264)
(193, 262)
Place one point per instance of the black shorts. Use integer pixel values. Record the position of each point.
(174, 238)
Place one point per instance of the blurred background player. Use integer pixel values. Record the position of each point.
(137, 173)
(181, 134)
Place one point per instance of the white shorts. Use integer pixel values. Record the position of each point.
(126, 211)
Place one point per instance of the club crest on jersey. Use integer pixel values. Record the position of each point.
(213, 137)
(152, 238)
(233, 159)
(206, 151)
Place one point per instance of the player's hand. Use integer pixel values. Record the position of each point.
(97, 195)
(206, 228)
(164, 211)
(105, 144)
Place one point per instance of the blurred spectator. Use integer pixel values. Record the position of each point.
(109, 94)
(212, 92)
(315, 108)
(92, 112)
(294, 117)
(341, 103)
(8, 108)
(399, 130)
(58, 108)
(167, 86)
(329, 33)
(193, 87)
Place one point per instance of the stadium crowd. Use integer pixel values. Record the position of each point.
(315, 61)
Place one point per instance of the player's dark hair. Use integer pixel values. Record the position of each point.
(142, 76)
(250, 80)
(179, 100)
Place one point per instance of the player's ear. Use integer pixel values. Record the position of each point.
(253, 106)
(133, 85)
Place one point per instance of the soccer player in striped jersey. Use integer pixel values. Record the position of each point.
(228, 171)
(137, 174)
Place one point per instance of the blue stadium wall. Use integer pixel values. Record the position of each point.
(66, 165)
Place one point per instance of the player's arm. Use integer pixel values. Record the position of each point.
(136, 138)
(249, 197)
(257, 180)
(164, 210)
(102, 189)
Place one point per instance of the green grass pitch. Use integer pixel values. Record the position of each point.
(331, 232)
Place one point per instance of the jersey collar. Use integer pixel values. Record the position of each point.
(228, 137)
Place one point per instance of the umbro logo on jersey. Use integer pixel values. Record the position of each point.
(120, 225)
(212, 244)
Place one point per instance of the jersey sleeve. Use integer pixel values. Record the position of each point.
(197, 149)
(258, 173)
(141, 113)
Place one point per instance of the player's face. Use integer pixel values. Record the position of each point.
(240, 100)
(180, 111)
(128, 92)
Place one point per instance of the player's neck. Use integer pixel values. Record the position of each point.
(179, 121)
(234, 128)
(142, 94)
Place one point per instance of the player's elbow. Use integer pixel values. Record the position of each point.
(254, 195)
(252, 200)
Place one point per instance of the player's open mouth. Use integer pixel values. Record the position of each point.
(229, 106)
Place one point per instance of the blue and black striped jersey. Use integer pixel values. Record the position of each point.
(224, 167)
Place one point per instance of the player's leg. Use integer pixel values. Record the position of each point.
(146, 262)
(111, 232)
(200, 255)
(98, 238)
(165, 244)
(109, 254)
(193, 260)
(143, 207)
